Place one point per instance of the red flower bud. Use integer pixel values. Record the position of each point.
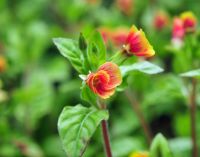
(189, 21)
(105, 80)
(160, 20)
(178, 31)
(137, 43)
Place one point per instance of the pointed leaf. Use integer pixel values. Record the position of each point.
(160, 147)
(144, 66)
(76, 125)
(69, 49)
(192, 73)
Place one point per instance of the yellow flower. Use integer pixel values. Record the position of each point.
(139, 154)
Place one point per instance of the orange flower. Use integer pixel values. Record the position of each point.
(105, 33)
(137, 43)
(178, 31)
(125, 6)
(139, 154)
(189, 21)
(119, 36)
(105, 80)
(2, 64)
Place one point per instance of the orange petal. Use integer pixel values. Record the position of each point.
(114, 73)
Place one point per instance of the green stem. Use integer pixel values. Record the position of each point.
(193, 118)
(119, 57)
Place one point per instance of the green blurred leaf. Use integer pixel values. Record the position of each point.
(144, 66)
(76, 125)
(69, 49)
(50, 144)
(123, 146)
(181, 146)
(192, 73)
(160, 147)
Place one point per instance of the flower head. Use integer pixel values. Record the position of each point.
(137, 43)
(178, 29)
(126, 6)
(189, 21)
(105, 80)
(160, 20)
(139, 154)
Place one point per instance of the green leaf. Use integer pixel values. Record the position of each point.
(69, 49)
(192, 73)
(76, 125)
(131, 144)
(144, 66)
(88, 95)
(181, 146)
(96, 51)
(160, 147)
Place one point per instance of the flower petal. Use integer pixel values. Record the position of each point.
(114, 73)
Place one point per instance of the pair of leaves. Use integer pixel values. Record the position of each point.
(160, 147)
(76, 125)
(94, 54)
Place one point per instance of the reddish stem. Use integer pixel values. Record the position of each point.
(193, 118)
(105, 132)
(106, 138)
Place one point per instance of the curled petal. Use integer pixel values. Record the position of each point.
(114, 73)
(105, 80)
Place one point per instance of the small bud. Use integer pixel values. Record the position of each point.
(82, 42)
(160, 21)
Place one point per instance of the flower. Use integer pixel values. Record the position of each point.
(118, 36)
(125, 6)
(160, 20)
(105, 33)
(105, 80)
(189, 21)
(137, 43)
(2, 64)
(178, 30)
(139, 154)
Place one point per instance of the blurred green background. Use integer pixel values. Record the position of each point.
(37, 82)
